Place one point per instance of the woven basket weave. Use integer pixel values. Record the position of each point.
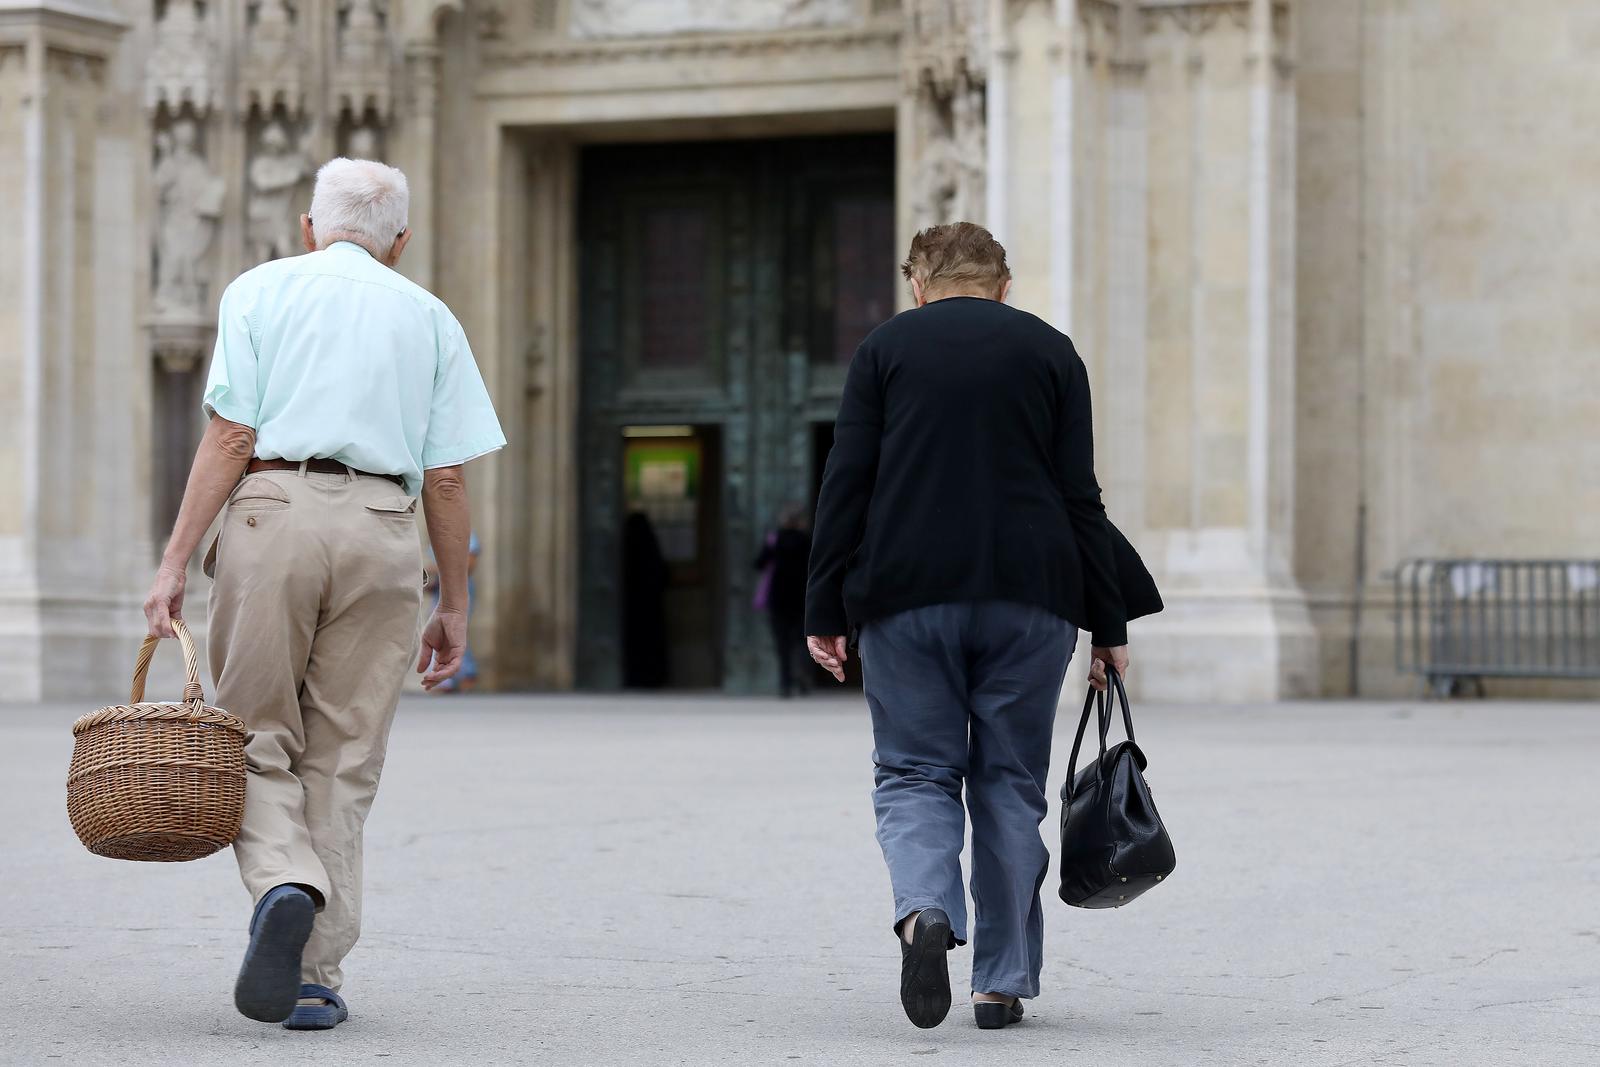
(162, 782)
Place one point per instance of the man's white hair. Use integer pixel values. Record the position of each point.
(359, 200)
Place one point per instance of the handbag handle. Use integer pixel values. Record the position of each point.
(192, 691)
(1100, 701)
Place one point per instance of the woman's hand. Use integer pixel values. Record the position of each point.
(830, 653)
(1100, 658)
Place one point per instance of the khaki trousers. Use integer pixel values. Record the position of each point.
(318, 578)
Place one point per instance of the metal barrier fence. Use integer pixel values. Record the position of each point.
(1463, 620)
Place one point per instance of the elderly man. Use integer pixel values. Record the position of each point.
(960, 530)
(338, 392)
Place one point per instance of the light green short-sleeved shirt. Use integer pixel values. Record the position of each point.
(332, 355)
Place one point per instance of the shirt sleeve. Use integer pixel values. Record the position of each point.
(847, 484)
(1102, 592)
(233, 386)
(461, 420)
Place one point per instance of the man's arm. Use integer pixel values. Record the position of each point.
(225, 451)
(847, 483)
(449, 518)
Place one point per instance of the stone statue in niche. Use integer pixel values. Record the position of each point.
(946, 50)
(188, 205)
(970, 135)
(938, 176)
(949, 185)
(273, 225)
(364, 142)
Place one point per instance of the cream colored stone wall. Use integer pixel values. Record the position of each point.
(1447, 325)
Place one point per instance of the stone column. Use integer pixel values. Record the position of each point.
(414, 154)
(1063, 105)
(998, 117)
(1218, 497)
(73, 548)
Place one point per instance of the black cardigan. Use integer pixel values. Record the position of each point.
(963, 469)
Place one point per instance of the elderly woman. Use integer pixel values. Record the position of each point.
(960, 530)
(339, 391)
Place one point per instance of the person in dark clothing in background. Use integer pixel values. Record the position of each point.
(781, 592)
(960, 530)
(644, 619)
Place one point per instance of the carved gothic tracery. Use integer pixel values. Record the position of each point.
(363, 74)
(180, 67)
(270, 74)
(629, 18)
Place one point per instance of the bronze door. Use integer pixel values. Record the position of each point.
(723, 289)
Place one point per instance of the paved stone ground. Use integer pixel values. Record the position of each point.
(600, 881)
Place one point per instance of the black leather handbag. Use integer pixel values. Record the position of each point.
(1113, 845)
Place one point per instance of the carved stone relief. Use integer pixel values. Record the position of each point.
(272, 225)
(270, 74)
(946, 63)
(545, 15)
(189, 196)
(361, 35)
(363, 75)
(180, 68)
(645, 18)
(492, 18)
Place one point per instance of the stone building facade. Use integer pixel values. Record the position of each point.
(1328, 262)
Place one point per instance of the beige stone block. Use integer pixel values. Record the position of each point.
(1224, 505)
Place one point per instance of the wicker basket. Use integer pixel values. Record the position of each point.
(161, 782)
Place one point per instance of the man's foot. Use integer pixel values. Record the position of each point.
(924, 968)
(269, 979)
(320, 1008)
(996, 1014)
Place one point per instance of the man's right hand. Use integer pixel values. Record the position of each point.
(165, 601)
(1116, 657)
(444, 641)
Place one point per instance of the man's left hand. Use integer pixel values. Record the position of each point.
(444, 642)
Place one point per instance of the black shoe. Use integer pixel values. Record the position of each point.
(925, 970)
(269, 981)
(997, 1016)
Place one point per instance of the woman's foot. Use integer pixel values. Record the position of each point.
(924, 968)
(995, 1011)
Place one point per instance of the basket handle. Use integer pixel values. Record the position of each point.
(192, 692)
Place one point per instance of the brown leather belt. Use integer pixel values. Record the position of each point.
(319, 466)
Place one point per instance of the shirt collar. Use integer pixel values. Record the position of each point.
(349, 246)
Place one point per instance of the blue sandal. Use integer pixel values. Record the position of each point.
(270, 974)
(317, 1016)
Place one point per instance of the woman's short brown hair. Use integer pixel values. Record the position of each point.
(957, 255)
